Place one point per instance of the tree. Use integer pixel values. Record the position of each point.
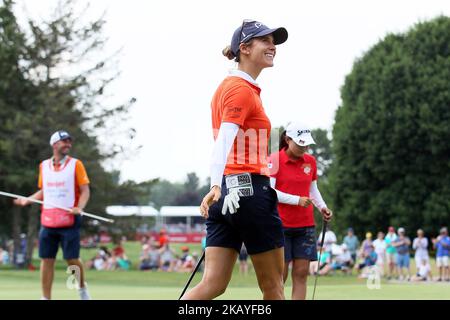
(322, 151)
(54, 77)
(390, 138)
(164, 193)
(191, 195)
(16, 92)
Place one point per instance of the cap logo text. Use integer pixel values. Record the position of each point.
(300, 132)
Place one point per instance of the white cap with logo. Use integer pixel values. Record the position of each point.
(58, 136)
(300, 133)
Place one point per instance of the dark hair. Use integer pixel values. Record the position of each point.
(283, 144)
(230, 55)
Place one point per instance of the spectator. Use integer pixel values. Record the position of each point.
(121, 260)
(167, 258)
(391, 251)
(442, 245)
(369, 257)
(20, 252)
(402, 245)
(243, 263)
(163, 238)
(329, 240)
(424, 271)
(118, 250)
(352, 243)
(366, 246)
(320, 264)
(186, 262)
(420, 244)
(342, 261)
(150, 257)
(380, 249)
(100, 261)
(4, 257)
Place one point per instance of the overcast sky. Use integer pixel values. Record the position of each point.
(172, 63)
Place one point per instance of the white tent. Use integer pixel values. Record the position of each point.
(147, 211)
(126, 211)
(180, 211)
(170, 211)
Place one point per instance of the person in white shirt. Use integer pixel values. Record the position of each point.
(424, 271)
(380, 249)
(420, 244)
(329, 240)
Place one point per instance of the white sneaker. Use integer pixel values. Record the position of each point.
(84, 294)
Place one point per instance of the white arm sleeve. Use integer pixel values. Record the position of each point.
(316, 197)
(283, 197)
(222, 146)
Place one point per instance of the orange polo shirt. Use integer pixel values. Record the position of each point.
(238, 101)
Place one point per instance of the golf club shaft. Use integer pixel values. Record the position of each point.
(90, 215)
(324, 229)
(192, 275)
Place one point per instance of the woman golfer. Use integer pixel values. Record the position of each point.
(241, 205)
(294, 176)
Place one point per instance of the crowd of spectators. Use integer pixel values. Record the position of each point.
(388, 255)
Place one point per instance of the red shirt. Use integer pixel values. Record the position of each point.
(163, 239)
(294, 177)
(118, 251)
(237, 101)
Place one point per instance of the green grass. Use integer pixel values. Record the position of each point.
(137, 285)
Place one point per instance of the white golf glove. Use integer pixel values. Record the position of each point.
(231, 202)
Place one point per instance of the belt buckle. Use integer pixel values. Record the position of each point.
(241, 182)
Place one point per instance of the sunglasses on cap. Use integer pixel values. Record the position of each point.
(244, 22)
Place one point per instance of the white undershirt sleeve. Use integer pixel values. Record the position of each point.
(283, 197)
(222, 146)
(316, 197)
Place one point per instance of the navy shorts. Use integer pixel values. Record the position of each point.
(51, 238)
(300, 243)
(256, 222)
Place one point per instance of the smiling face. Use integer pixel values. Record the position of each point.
(260, 51)
(62, 147)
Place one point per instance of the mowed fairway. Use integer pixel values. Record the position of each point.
(138, 285)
